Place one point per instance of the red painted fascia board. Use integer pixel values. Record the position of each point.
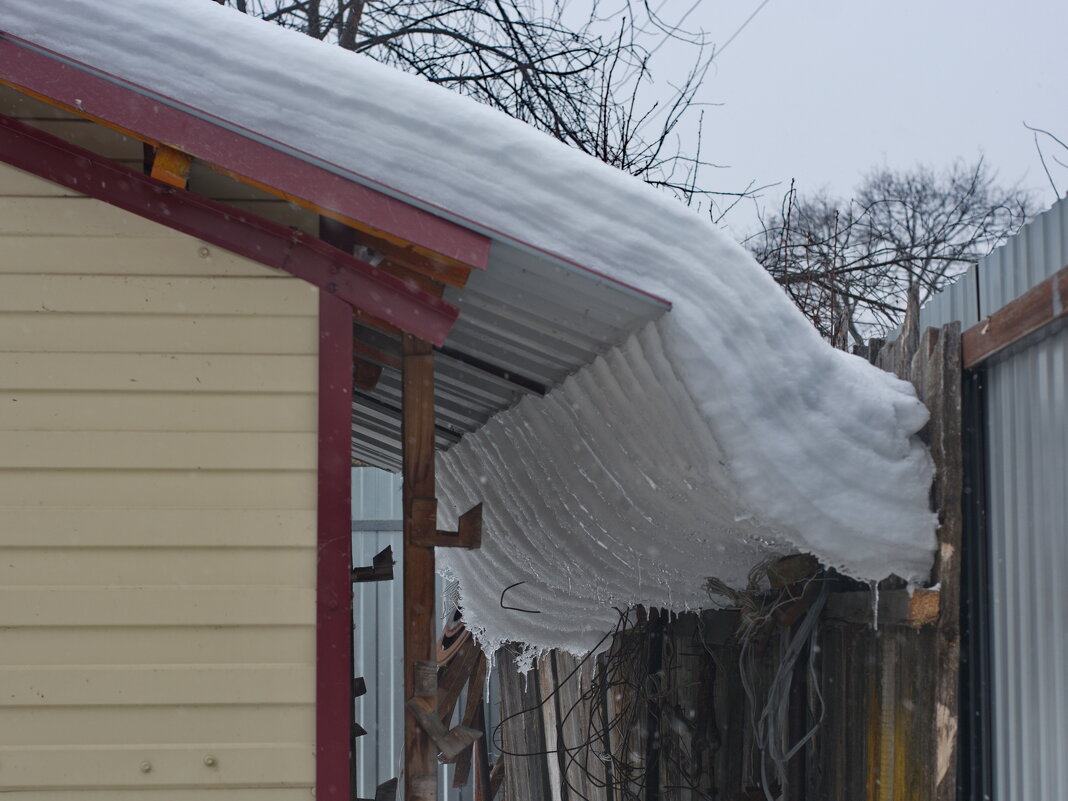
(335, 272)
(333, 597)
(225, 145)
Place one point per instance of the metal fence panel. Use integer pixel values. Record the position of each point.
(1027, 464)
(1027, 430)
(378, 616)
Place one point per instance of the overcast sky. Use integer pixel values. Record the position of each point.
(823, 90)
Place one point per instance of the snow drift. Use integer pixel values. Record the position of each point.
(725, 432)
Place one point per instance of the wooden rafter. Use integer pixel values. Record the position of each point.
(411, 236)
(1035, 309)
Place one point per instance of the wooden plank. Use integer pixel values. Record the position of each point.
(157, 766)
(143, 489)
(94, 255)
(526, 776)
(34, 607)
(896, 607)
(142, 333)
(137, 645)
(157, 372)
(550, 724)
(154, 450)
(948, 450)
(82, 216)
(158, 724)
(401, 252)
(21, 567)
(688, 735)
(583, 770)
(417, 436)
(156, 411)
(131, 294)
(1028, 314)
(456, 675)
(151, 685)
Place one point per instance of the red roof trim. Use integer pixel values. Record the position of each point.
(226, 146)
(333, 596)
(358, 283)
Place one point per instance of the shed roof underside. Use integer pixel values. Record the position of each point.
(525, 324)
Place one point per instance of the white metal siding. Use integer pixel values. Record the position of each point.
(1027, 428)
(379, 640)
(1027, 464)
(157, 511)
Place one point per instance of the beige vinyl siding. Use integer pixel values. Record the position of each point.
(157, 511)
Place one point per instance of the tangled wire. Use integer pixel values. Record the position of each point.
(621, 724)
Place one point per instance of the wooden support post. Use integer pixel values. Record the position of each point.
(417, 436)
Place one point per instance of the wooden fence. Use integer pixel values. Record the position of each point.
(664, 714)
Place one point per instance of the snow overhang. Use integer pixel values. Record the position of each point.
(696, 443)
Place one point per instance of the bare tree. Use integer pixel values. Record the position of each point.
(581, 77)
(1055, 158)
(850, 266)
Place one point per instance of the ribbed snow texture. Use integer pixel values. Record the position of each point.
(613, 490)
(644, 473)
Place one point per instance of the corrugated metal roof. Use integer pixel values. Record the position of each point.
(526, 323)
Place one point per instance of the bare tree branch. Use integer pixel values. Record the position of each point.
(849, 266)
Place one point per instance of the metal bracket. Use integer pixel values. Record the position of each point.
(386, 791)
(381, 568)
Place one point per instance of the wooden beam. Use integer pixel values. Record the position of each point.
(334, 725)
(896, 607)
(82, 90)
(307, 257)
(172, 167)
(417, 439)
(1033, 310)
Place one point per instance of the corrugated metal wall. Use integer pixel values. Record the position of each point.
(1027, 469)
(1028, 505)
(379, 643)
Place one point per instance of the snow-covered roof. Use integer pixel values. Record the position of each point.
(721, 432)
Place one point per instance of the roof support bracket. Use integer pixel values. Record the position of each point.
(467, 535)
(381, 568)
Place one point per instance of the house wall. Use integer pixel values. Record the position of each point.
(157, 511)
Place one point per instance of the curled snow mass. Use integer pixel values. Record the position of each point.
(724, 432)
